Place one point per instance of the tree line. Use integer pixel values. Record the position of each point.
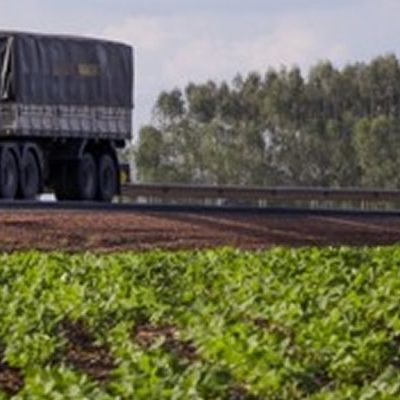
(333, 127)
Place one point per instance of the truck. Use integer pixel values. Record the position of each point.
(66, 108)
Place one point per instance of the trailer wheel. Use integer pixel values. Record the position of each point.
(30, 176)
(87, 178)
(108, 178)
(8, 174)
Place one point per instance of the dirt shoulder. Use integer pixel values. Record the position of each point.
(102, 231)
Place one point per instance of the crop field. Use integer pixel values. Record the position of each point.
(218, 324)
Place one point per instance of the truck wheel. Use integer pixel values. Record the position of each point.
(87, 178)
(108, 184)
(30, 178)
(8, 175)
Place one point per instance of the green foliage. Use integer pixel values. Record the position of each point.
(379, 142)
(333, 127)
(280, 324)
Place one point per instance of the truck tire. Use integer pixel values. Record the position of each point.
(87, 178)
(9, 175)
(76, 180)
(30, 176)
(108, 178)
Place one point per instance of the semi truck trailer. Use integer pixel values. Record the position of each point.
(65, 109)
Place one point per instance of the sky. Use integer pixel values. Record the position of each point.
(178, 41)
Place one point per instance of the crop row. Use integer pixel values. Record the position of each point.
(222, 324)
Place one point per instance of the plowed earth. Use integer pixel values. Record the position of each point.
(114, 231)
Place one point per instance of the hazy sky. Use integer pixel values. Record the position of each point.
(181, 40)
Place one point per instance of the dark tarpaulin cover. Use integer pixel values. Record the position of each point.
(3, 45)
(58, 70)
(2, 51)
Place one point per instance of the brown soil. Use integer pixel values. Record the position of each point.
(114, 231)
(239, 392)
(83, 354)
(147, 335)
(11, 379)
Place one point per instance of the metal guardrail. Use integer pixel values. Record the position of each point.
(88, 207)
(177, 191)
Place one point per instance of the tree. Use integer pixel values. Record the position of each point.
(332, 127)
(149, 154)
(170, 106)
(378, 147)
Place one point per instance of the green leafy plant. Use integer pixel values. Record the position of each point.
(219, 324)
